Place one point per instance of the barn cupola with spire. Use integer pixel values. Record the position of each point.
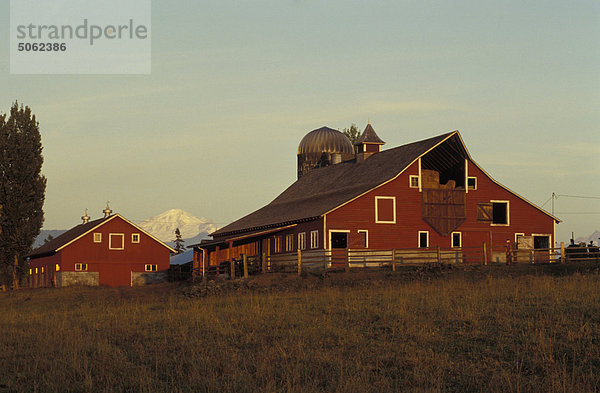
(368, 143)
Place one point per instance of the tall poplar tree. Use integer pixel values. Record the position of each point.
(179, 247)
(22, 190)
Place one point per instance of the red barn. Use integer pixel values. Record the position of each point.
(109, 251)
(424, 194)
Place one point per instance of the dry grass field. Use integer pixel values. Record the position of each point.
(495, 330)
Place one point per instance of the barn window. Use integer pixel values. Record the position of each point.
(116, 241)
(472, 182)
(413, 181)
(36, 270)
(42, 269)
(385, 210)
(57, 267)
(135, 237)
(289, 242)
(302, 240)
(30, 271)
(423, 239)
(500, 213)
(277, 244)
(80, 267)
(364, 238)
(97, 237)
(456, 240)
(314, 239)
(150, 268)
(339, 239)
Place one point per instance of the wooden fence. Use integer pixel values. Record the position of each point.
(346, 259)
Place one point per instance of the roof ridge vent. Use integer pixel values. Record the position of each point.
(85, 217)
(107, 212)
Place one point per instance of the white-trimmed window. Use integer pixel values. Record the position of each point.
(385, 209)
(413, 181)
(289, 242)
(423, 239)
(364, 237)
(80, 267)
(456, 240)
(135, 237)
(97, 237)
(471, 182)
(116, 241)
(277, 244)
(302, 240)
(150, 268)
(314, 239)
(500, 213)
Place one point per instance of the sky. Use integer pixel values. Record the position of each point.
(234, 86)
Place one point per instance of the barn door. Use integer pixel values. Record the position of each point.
(339, 248)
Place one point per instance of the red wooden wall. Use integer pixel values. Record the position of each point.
(114, 266)
(360, 215)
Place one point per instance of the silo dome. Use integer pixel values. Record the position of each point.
(322, 147)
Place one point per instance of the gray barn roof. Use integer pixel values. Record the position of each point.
(324, 189)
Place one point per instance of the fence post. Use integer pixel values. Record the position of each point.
(531, 256)
(439, 255)
(484, 254)
(347, 261)
(245, 265)
(299, 262)
(393, 259)
(562, 252)
(263, 262)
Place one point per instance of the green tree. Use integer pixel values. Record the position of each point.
(352, 133)
(179, 247)
(22, 190)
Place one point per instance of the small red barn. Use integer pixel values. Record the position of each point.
(424, 194)
(109, 251)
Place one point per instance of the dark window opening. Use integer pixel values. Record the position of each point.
(423, 239)
(500, 212)
(456, 240)
(472, 183)
(339, 240)
(541, 242)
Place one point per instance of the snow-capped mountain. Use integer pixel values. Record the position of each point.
(164, 224)
(593, 237)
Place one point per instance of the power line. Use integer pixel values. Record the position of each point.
(577, 212)
(575, 196)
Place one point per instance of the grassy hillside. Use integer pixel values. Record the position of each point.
(433, 333)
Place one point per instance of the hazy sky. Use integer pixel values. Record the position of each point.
(235, 86)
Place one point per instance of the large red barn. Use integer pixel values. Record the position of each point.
(108, 251)
(424, 194)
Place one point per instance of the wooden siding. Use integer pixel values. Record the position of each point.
(359, 215)
(114, 266)
(265, 243)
